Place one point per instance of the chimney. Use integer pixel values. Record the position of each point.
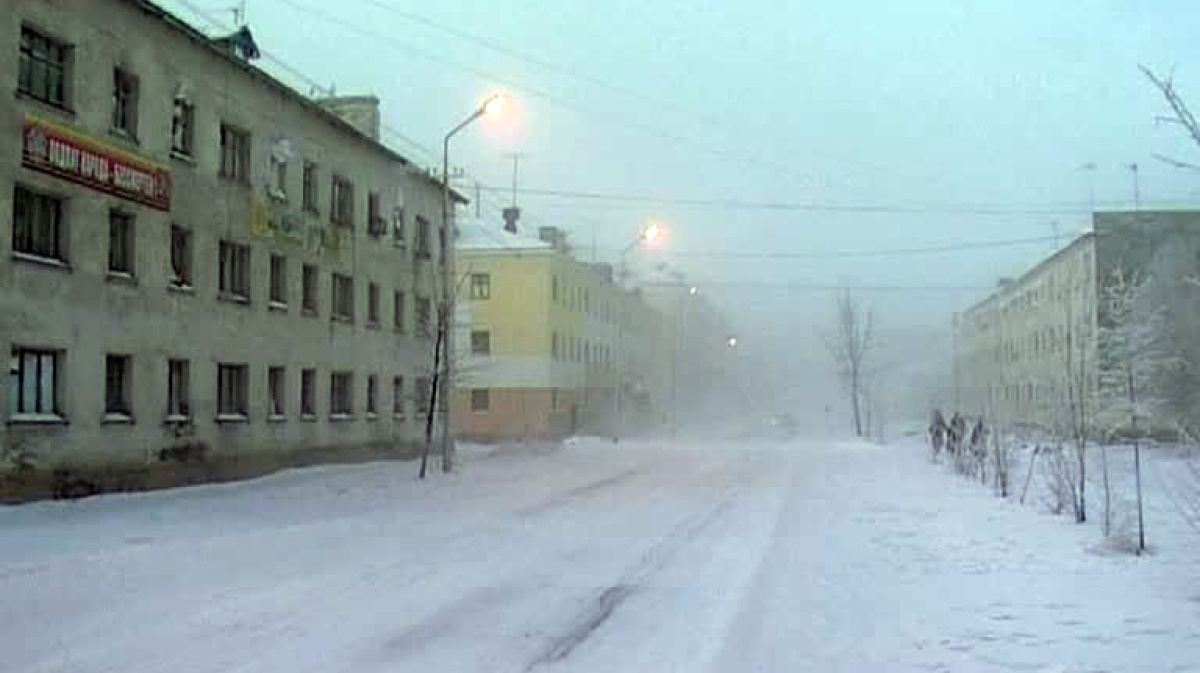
(511, 215)
(550, 235)
(1005, 282)
(240, 44)
(361, 112)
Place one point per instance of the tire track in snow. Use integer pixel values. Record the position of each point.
(601, 607)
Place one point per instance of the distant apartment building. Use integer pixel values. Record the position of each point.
(207, 272)
(550, 345)
(1013, 351)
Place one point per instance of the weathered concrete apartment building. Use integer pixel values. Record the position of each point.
(207, 274)
(1026, 351)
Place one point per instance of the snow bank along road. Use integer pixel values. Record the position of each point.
(594, 557)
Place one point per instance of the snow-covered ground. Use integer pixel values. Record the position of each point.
(599, 557)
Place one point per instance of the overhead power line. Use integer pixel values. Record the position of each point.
(894, 252)
(812, 206)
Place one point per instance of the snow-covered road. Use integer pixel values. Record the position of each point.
(594, 557)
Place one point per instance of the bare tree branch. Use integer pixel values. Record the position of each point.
(1182, 115)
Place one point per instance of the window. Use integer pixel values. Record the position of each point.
(480, 399)
(117, 374)
(308, 392)
(310, 186)
(376, 225)
(33, 381)
(341, 210)
(276, 391)
(37, 225)
(279, 177)
(234, 270)
(232, 388)
(554, 345)
(279, 280)
(181, 257)
(179, 399)
(423, 326)
(43, 67)
(398, 396)
(554, 289)
(422, 392)
(481, 342)
(182, 127)
(235, 154)
(125, 103)
(441, 243)
(120, 243)
(398, 228)
(422, 238)
(372, 304)
(343, 297)
(481, 286)
(372, 394)
(308, 289)
(341, 393)
(554, 399)
(398, 310)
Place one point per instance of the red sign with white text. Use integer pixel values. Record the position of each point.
(59, 150)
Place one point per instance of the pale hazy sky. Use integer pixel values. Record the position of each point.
(931, 105)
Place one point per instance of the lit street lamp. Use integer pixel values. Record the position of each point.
(731, 342)
(652, 234)
(491, 106)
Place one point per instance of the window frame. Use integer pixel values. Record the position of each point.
(373, 304)
(235, 149)
(180, 249)
(236, 405)
(398, 307)
(61, 67)
(40, 410)
(179, 393)
(376, 224)
(310, 188)
(479, 395)
(308, 393)
(277, 287)
(341, 394)
(341, 201)
(481, 342)
(276, 392)
(124, 222)
(423, 317)
(372, 395)
(126, 92)
(233, 271)
(118, 395)
(39, 209)
(342, 303)
(183, 127)
(481, 286)
(423, 388)
(421, 248)
(310, 286)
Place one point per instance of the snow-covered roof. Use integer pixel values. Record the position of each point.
(477, 234)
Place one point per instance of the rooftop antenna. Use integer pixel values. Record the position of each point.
(516, 157)
(1137, 191)
(239, 13)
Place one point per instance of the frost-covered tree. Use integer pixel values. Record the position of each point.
(1133, 358)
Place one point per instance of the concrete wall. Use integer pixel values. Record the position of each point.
(80, 311)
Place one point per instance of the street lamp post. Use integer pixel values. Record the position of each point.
(442, 344)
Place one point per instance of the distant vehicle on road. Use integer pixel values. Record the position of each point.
(782, 425)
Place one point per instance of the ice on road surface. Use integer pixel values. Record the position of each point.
(593, 557)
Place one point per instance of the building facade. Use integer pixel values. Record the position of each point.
(207, 272)
(1024, 354)
(550, 345)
